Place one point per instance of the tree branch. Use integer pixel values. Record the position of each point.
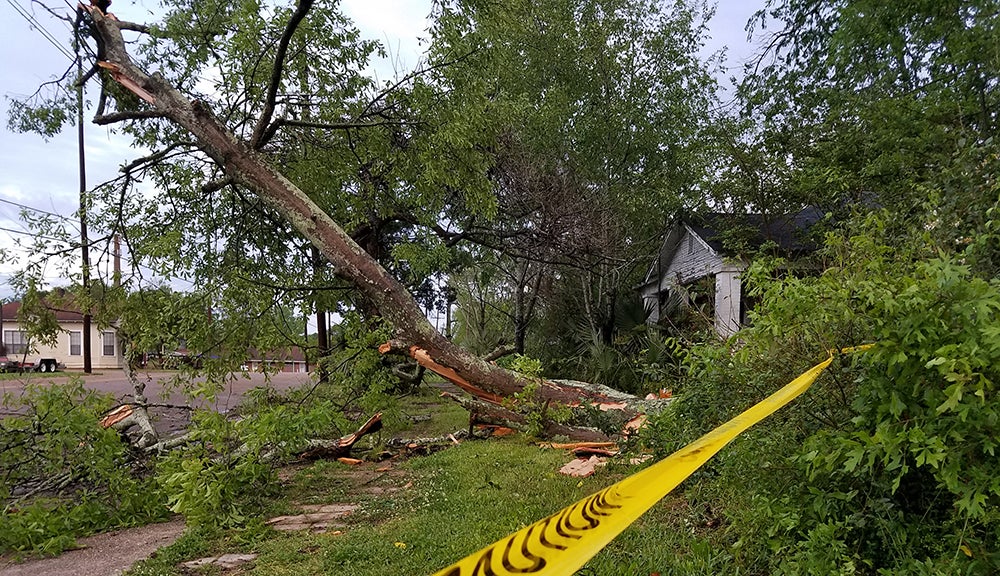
(115, 117)
(257, 141)
(154, 157)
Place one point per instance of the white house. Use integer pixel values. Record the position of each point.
(68, 348)
(697, 252)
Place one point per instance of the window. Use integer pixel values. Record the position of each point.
(16, 341)
(108, 343)
(76, 343)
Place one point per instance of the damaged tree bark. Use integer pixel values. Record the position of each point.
(332, 449)
(242, 164)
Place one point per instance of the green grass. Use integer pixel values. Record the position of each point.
(448, 505)
(420, 515)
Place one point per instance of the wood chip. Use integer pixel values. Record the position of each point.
(634, 425)
(582, 467)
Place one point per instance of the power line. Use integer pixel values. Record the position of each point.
(33, 22)
(39, 210)
(34, 235)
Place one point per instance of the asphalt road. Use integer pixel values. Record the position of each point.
(162, 391)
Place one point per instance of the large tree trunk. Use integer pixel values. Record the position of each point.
(244, 165)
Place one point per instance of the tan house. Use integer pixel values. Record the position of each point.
(68, 348)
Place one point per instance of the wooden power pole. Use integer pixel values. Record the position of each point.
(88, 366)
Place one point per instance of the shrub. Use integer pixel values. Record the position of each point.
(65, 476)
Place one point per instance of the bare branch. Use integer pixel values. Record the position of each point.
(134, 27)
(154, 157)
(216, 185)
(116, 117)
(342, 125)
(257, 140)
(499, 352)
(388, 90)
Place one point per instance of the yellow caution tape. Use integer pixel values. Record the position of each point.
(562, 543)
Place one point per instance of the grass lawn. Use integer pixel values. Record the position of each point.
(419, 514)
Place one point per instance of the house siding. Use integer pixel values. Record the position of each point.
(690, 260)
(693, 259)
(685, 258)
(61, 349)
(273, 365)
(728, 289)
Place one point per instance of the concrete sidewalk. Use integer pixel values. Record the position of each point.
(107, 554)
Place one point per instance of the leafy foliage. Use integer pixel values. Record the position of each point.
(886, 466)
(63, 475)
(226, 473)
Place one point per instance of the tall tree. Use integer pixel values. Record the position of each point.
(267, 138)
(889, 105)
(593, 111)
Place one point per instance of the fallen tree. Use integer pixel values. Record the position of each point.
(241, 162)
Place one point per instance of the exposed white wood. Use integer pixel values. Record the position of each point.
(727, 300)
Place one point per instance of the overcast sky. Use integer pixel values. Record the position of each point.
(44, 174)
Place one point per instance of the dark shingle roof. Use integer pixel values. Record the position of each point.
(790, 232)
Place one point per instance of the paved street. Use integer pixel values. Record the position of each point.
(170, 418)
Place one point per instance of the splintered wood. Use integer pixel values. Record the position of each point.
(334, 449)
(583, 467)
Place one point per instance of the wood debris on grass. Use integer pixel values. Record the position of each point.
(317, 518)
(586, 449)
(224, 562)
(341, 447)
(583, 467)
(634, 425)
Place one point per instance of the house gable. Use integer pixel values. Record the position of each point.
(694, 249)
(685, 257)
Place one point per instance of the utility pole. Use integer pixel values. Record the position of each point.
(84, 243)
(3, 347)
(322, 337)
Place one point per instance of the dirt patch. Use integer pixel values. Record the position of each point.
(105, 554)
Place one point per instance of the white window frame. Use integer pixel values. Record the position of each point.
(17, 348)
(79, 345)
(104, 343)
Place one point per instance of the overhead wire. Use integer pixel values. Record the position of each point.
(36, 25)
(38, 210)
(32, 234)
(127, 259)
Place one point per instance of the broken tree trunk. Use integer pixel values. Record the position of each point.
(242, 164)
(487, 408)
(126, 416)
(488, 413)
(331, 449)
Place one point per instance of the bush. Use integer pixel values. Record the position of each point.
(65, 476)
(888, 465)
